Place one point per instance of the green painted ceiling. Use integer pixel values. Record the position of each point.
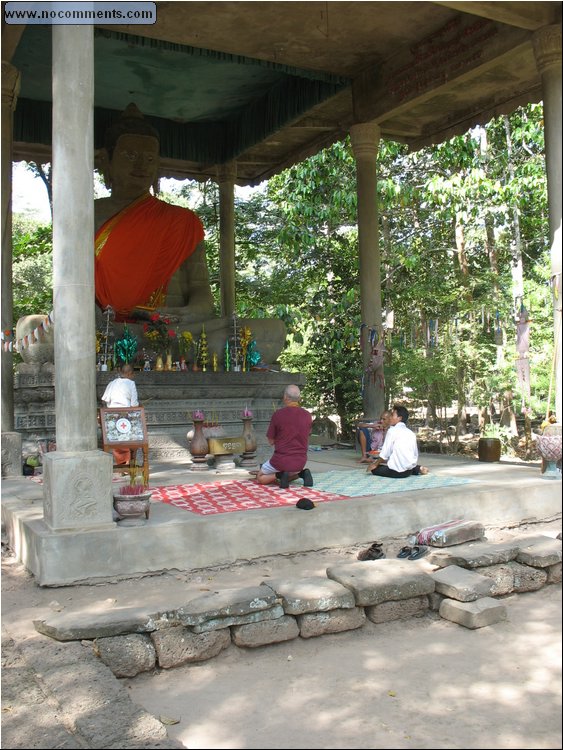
(207, 106)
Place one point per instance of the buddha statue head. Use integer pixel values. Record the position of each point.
(130, 158)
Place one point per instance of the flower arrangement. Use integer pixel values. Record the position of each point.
(246, 413)
(245, 339)
(185, 342)
(158, 332)
(198, 415)
(134, 487)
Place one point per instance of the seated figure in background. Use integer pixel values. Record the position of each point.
(398, 457)
(371, 436)
(146, 250)
(150, 255)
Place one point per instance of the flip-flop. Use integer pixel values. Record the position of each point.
(418, 551)
(405, 552)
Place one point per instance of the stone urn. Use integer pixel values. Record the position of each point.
(549, 448)
(248, 458)
(132, 509)
(199, 447)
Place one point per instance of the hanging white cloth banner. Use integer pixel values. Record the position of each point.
(523, 332)
(523, 375)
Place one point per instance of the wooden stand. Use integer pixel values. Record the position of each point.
(126, 427)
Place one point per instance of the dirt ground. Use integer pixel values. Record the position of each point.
(418, 683)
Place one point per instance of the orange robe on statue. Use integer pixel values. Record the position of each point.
(138, 250)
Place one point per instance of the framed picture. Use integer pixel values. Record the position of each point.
(124, 426)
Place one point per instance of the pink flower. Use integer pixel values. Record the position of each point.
(198, 414)
(247, 414)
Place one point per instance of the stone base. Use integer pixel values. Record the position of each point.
(77, 490)
(249, 461)
(175, 539)
(550, 470)
(11, 454)
(199, 464)
(225, 463)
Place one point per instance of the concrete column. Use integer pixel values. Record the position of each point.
(11, 441)
(227, 175)
(77, 487)
(365, 140)
(547, 49)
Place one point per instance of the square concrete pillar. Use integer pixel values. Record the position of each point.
(77, 491)
(11, 454)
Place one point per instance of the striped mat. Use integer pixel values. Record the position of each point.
(359, 483)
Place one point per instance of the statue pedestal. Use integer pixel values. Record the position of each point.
(169, 399)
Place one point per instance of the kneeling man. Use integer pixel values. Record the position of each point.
(288, 432)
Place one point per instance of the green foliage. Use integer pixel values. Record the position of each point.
(32, 268)
(448, 239)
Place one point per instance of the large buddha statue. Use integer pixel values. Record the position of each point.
(150, 255)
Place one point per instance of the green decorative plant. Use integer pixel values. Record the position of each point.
(500, 432)
(492, 430)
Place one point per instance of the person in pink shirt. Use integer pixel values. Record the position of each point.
(371, 436)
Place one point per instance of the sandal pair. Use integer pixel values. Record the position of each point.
(372, 553)
(413, 553)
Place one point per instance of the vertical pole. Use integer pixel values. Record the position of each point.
(547, 49)
(11, 441)
(227, 176)
(77, 486)
(365, 141)
(73, 230)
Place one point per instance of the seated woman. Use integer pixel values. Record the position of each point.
(371, 436)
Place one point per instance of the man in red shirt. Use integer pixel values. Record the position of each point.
(288, 432)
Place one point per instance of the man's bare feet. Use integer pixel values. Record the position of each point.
(424, 470)
(365, 460)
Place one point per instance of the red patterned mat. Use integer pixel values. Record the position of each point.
(229, 496)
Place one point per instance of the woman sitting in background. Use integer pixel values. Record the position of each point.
(371, 436)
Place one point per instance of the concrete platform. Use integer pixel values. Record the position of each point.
(505, 493)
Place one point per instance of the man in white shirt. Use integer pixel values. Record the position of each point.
(121, 392)
(398, 457)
